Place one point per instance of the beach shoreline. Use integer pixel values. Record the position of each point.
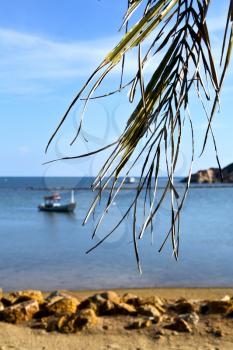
(167, 292)
(214, 331)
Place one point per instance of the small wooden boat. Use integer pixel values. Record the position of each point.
(52, 204)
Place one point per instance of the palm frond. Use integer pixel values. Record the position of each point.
(178, 38)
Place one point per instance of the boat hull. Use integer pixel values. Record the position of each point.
(66, 208)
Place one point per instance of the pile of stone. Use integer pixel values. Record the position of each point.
(65, 313)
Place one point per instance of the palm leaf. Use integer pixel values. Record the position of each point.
(179, 41)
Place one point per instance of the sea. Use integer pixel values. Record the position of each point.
(47, 251)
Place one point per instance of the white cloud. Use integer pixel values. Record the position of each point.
(28, 62)
(34, 64)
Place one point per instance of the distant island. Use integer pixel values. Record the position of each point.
(212, 175)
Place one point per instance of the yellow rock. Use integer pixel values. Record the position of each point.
(85, 318)
(125, 309)
(88, 317)
(107, 308)
(179, 325)
(152, 300)
(137, 301)
(131, 299)
(57, 295)
(216, 307)
(226, 298)
(64, 305)
(149, 311)
(111, 296)
(101, 303)
(182, 307)
(8, 300)
(25, 295)
(139, 324)
(1, 306)
(20, 312)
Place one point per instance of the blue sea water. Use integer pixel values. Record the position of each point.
(47, 250)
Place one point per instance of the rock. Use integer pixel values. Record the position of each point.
(110, 308)
(226, 298)
(57, 295)
(8, 300)
(94, 301)
(57, 323)
(54, 323)
(139, 324)
(111, 296)
(20, 312)
(107, 308)
(131, 299)
(50, 323)
(179, 325)
(217, 333)
(98, 304)
(124, 309)
(136, 301)
(175, 333)
(150, 311)
(107, 303)
(67, 323)
(1, 306)
(229, 313)
(54, 294)
(64, 305)
(212, 175)
(99, 299)
(159, 332)
(181, 307)
(85, 318)
(26, 295)
(216, 307)
(154, 301)
(40, 324)
(191, 318)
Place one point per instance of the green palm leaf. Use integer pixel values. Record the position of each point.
(179, 39)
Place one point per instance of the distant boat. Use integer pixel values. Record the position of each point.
(130, 180)
(52, 204)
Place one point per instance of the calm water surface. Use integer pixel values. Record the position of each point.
(47, 251)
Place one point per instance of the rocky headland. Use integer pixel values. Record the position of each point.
(212, 175)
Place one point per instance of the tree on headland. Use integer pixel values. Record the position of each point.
(173, 37)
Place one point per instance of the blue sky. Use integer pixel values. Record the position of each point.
(48, 49)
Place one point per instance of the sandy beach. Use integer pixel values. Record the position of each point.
(167, 293)
(110, 333)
